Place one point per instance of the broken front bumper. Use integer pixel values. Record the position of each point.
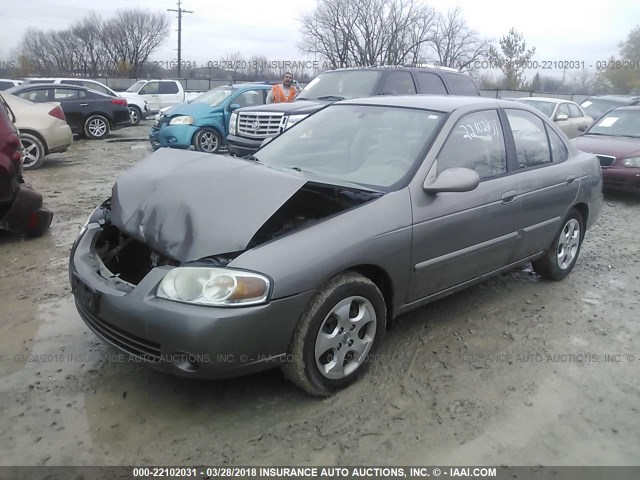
(26, 214)
(183, 339)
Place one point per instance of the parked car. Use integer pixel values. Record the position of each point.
(88, 112)
(301, 256)
(571, 119)
(249, 128)
(159, 93)
(615, 139)
(21, 208)
(43, 129)
(203, 123)
(138, 107)
(598, 105)
(6, 83)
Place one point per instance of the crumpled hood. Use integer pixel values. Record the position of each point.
(189, 205)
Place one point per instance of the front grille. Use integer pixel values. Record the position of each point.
(606, 160)
(131, 344)
(259, 124)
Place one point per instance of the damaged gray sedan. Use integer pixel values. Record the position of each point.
(300, 257)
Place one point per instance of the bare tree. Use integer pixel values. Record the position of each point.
(455, 44)
(131, 37)
(233, 63)
(366, 32)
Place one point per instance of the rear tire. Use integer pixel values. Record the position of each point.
(97, 127)
(136, 116)
(207, 140)
(339, 330)
(33, 151)
(559, 260)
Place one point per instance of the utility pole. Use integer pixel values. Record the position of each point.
(179, 11)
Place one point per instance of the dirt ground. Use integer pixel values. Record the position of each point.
(515, 371)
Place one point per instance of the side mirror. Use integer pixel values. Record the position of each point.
(562, 117)
(265, 141)
(453, 180)
(234, 106)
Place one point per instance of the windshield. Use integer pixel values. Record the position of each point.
(542, 105)
(373, 147)
(136, 86)
(596, 107)
(341, 85)
(214, 97)
(618, 123)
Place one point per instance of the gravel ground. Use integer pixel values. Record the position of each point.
(515, 371)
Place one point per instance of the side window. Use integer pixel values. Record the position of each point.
(5, 85)
(64, 94)
(574, 111)
(563, 109)
(249, 99)
(461, 84)
(151, 88)
(97, 87)
(530, 138)
(399, 83)
(37, 96)
(559, 150)
(430, 83)
(168, 88)
(476, 142)
(82, 94)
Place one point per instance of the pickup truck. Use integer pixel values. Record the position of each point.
(159, 93)
(138, 108)
(250, 126)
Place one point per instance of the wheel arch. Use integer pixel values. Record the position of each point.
(583, 208)
(382, 280)
(223, 139)
(38, 136)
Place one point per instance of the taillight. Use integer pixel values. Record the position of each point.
(120, 101)
(58, 113)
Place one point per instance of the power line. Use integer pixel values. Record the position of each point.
(179, 11)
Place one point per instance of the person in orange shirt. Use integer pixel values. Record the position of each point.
(285, 92)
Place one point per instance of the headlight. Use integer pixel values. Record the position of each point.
(219, 287)
(633, 162)
(95, 217)
(233, 128)
(181, 120)
(293, 119)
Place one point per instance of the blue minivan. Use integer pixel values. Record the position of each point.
(203, 123)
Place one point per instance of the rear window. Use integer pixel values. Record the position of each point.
(461, 84)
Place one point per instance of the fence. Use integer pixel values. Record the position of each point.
(500, 93)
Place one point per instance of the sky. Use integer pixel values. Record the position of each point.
(585, 30)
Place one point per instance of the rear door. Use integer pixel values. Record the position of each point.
(459, 236)
(547, 184)
(74, 108)
(170, 94)
(563, 120)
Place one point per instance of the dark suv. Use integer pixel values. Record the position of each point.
(20, 207)
(249, 126)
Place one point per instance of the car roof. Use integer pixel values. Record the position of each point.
(36, 86)
(441, 103)
(626, 107)
(412, 68)
(618, 98)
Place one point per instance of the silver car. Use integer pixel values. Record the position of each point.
(301, 256)
(569, 116)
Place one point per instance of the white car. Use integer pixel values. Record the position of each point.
(138, 106)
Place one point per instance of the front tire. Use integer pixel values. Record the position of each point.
(136, 115)
(96, 127)
(343, 325)
(33, 151)
(207, 140)
(559, 260)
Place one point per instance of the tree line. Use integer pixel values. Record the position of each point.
(337, 33)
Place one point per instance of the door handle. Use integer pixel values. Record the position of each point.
(84, 104)
(571, 179)
(509, 197)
